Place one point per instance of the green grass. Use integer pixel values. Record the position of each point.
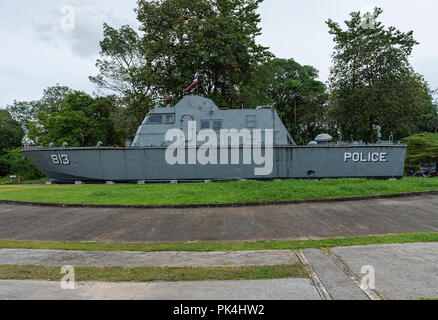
(219, 192)
(7, 180)
(144, 274)
(219, 246)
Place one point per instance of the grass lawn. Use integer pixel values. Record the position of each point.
(219, 192)
(7, 180)
(219, 246)
(144, 274)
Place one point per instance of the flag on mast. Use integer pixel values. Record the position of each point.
(193, 83)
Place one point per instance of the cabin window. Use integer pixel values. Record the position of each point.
(155, 119)
(205, 124)
(159, 118)
(217, 125)
(170, 118)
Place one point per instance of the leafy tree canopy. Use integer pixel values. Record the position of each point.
(213, 37)
(124, 70)
(178, 38)
(422, 147)
(11, 133)
(372, 82)
(298, 96)
(81, 120)
(26, 111)
(12, 163)
(66, 115)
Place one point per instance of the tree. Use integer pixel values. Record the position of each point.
(11, 135)
(372, 82)
(13, 160)
(422, 148)
(178, 38)
(432, 120)
(215, 38)
(81, 120)
(125, 71)
(11, 132)
(299, 97)
(26, 111)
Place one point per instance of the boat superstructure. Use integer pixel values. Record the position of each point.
(195, 140)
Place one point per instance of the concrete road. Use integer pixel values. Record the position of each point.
(402, 271)
(298, 221)
(336, 283)
(283, 289)
(56, 258)
(399, 271)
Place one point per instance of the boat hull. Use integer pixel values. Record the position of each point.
(67, 165)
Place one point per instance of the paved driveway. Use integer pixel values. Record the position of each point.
(392, 271)
(402, 271)
(297, 221)
(282, 289)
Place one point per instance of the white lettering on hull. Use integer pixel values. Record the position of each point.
(60, 159)
(366, 157)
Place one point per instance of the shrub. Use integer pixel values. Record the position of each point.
(11, 161)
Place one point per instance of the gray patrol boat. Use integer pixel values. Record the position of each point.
(195, 140)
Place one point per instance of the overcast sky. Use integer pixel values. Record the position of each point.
(38, 49)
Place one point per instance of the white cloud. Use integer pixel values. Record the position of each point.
(77, 26)
(39, 53)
